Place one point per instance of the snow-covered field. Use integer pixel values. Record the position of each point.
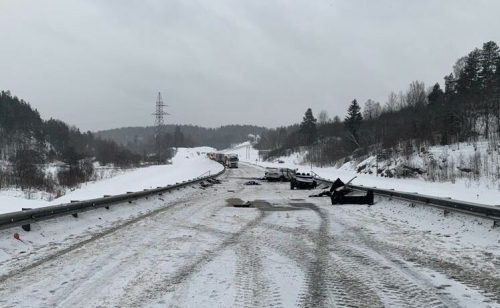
(190, 248)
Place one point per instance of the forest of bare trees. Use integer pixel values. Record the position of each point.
(467, 109)
(28, 145)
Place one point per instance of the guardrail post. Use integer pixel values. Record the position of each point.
(129, 201)
(74, 214)
(107, 196)
(28, 226)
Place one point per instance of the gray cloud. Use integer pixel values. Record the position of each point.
(99, 64)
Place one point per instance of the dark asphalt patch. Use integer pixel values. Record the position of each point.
(234, 201)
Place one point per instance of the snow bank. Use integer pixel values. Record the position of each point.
(187, 164)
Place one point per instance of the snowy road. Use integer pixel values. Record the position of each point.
(288, 251)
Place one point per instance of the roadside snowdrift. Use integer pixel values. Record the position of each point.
(187, 164)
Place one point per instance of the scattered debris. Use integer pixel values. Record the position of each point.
(209, 182)
(214, 181)
(17, 237)
(336, 186)
(252, 183)
(204, 185)
(339, 194)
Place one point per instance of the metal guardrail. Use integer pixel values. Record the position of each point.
(22, 218)
(446, 204)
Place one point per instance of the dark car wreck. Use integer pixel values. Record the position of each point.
(339, 193)
(302, 181)
(340, 198)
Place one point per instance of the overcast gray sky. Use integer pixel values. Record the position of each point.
(99, 64)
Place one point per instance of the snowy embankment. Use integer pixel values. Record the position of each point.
(463, 189)
(186, 165)
(65, 231)
(473, 231)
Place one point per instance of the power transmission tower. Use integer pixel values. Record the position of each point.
(159, 127)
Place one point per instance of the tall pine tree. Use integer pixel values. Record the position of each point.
(353, 121)
(308, 127)
(489, 59)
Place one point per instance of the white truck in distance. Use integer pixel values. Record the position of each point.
(232, 160)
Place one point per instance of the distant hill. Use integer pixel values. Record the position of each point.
(219, 138)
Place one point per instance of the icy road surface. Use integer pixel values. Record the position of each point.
(290, 250)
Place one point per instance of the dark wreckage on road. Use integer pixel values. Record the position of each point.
(340, 193)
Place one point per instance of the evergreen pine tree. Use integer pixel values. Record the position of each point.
(469, 80)
(178, 137)
(489, 59)
(308, 127)
(436, 96)
(353, 121)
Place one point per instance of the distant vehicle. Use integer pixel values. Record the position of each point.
(220, 158)
(303, 181)
(271, 174)
(232, 160)
(286, 174)
(279, 174)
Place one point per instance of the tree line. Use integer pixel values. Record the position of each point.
(141, 140)
(466, 109)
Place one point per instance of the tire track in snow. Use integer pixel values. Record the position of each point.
(391, 280)
(393, 287)
(255, 286)
(125, 232)
(482, 281)
(174, 281)
(96, 236)
(326, 284)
